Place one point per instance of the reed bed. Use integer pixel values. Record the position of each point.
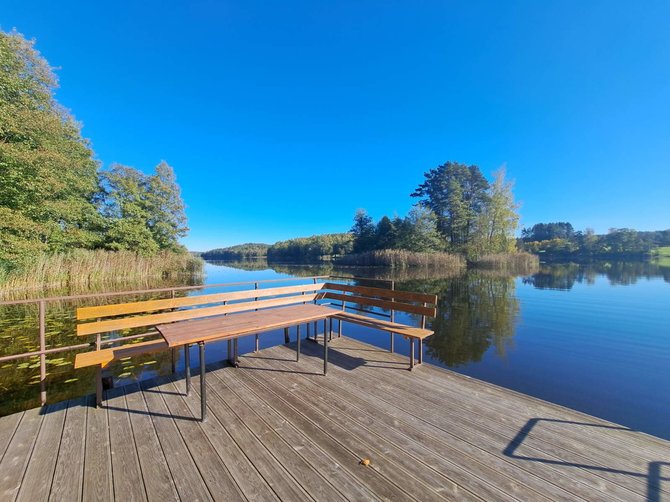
(517, 263)
(399, 258)
(85, 269)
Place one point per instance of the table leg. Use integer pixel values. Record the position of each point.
(420, 351)
(297, 342)
(325, 349)
(187, 369)
(330, 329)
(411, 354)
(203, 387)
(392, 348)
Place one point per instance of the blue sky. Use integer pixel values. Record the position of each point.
(282, 118)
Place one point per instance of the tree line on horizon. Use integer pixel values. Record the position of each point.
(560, 239)
(458, 211)
(54, 198)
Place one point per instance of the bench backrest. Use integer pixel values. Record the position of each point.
(414, 303)
(151, 312)
(108, 318)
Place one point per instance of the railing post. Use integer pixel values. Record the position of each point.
(43, 357)
(256, 299)
(392, 316)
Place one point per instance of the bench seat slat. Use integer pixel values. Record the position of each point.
(394, 327)
(105, 356)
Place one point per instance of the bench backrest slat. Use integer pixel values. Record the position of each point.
(385, 304)
(182, 315)
(98, 312)
(383, 293)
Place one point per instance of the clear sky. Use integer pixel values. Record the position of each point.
(281, 118)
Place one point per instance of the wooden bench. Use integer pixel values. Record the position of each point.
(97, 320)
(352, 297)
(199, 319)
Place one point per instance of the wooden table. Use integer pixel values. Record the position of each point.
(200, 331)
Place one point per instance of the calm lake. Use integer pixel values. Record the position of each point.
(595, 338)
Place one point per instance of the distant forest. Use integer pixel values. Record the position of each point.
(560, 240)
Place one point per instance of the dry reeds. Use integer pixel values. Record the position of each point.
(85, 268)
(399, 258)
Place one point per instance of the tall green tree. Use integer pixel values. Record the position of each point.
(456, 193)
(145, 213)
(363, 231)
(48, 176)
(418, 232)
(498, 220)
(385, 234)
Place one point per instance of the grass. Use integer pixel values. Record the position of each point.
(85, 269)
(398, 258)
(518, 263)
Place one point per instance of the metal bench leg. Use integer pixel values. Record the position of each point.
(203, 387)
(411, 354)
(174, 360)
(230, 350)
(187, 369)
(236, 361)
(257, 347)
(309, 330)
(297, 342)
(287, 339)
(420, 351)
(98, 386)
(339, 328)
(325, 349)
(392, 348)
(330, 329)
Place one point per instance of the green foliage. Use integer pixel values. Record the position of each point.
(363, 232)
(144, 213)
(52, 197)
(617, 242)
(312, 248)
(457, 194)
(246, 251)
(497, 221)
(48, 177)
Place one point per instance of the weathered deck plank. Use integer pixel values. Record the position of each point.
(278, 429)
(19, 450)
(68, 478)
(36, 484)
(97, 455)
(155, 472)
(485, 432)
(586, 466)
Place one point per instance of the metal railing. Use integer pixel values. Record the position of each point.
(42, 304)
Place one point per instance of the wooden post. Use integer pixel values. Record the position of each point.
(43, 357)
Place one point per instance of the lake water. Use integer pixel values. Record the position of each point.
(595, 338)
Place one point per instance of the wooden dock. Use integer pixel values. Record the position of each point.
(280, 430)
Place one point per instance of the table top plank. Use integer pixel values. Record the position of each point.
(216, 328)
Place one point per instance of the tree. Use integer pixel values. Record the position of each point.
(499, 219)
(456, 193)
(48, 177)
(385, 234)
(419, 232)
(144, 213)
(363, 232)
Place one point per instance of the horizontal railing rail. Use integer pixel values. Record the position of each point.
(42, 304)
